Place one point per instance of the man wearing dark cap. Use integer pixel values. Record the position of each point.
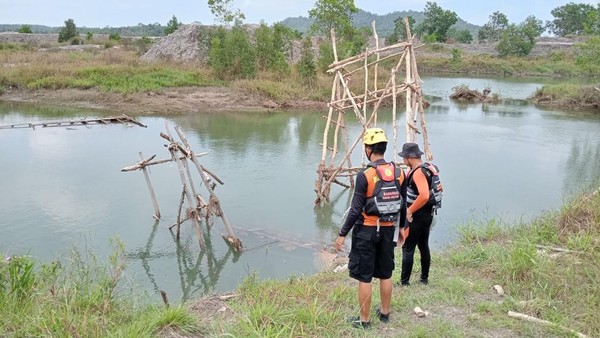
(419, 214)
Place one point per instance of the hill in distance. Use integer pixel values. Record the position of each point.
(385, 23)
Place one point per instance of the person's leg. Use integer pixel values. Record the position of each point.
(423, 245)
(408, 252)
(364, 300)
(385, 291)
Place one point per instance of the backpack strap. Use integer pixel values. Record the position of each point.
(426, 167)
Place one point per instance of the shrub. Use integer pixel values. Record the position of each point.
(306, 67)
(114, 36)
(67, 32)
(25, 29)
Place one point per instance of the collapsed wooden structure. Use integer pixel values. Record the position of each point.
(198, 207)
(366, 106)
(123, 119)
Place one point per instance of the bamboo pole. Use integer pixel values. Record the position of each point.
(213, 197)
(351, 98)
(335, 137)
(345, 139)
(151, 189)
(173, 149)
(351, 60)
(376, 36)
(149, 162)
(374, 62)
(179, 212)
(394, 127)
(528, 318)
(364, 105)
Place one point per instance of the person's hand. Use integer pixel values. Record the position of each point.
(400, 239)
(409, 216)
(339, 243)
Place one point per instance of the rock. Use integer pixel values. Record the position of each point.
(420, 313)
(341, 268)
(499, 290)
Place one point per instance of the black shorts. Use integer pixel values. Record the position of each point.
(371, 254)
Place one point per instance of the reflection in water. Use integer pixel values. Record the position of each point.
(195, 278)
(581, 166)
(328, 225)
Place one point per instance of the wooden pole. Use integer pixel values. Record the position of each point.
(528, 318)
(149, 162)
(366, 89)
(151, 189)
(394, 127)
(173, 149)
(213, 197)
(179, 212)
(376, 37)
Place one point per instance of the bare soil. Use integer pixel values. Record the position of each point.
(166, 101)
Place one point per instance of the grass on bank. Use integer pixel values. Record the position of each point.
(81, 297)
(561, 287)
(78, 298)
(568, 96)
(120, 70)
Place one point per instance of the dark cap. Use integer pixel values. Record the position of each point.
(410, 150)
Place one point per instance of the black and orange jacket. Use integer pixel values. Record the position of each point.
(364, 187)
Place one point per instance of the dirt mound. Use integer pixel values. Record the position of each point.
(185, 44)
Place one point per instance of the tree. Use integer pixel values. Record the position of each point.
(231, 54)
(67, 32)
(570, 19)
(172, 25)
(400, 30)
(224, 13)
(588, 56)
(592, 24)
(334, 14)
(462, 36)
(306, 67)
(437, 22)
(532, 27)
(25, 29)
(491, 31)
(514, 41)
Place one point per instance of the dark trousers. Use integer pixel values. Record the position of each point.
(418, 236)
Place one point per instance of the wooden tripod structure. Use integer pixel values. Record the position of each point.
(366, 106)
(197, 206)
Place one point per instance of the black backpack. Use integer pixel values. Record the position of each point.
(436, 189)
(386, 201)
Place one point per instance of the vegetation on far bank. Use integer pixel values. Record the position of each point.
(547, 268)
(568, 96)
(260, 60)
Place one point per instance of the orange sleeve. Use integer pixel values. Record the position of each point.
(423, 188)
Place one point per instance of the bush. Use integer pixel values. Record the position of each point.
(67, 32)
(306, 67)
(89, 36)
(75, 41)
(25, 29)
(514, 41)
(588, 56)
(114, 36)
(231, 54)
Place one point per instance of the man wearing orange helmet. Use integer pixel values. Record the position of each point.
(378, 204)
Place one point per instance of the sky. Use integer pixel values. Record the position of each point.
(115, 13)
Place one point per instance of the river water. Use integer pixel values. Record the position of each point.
(62, 188)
